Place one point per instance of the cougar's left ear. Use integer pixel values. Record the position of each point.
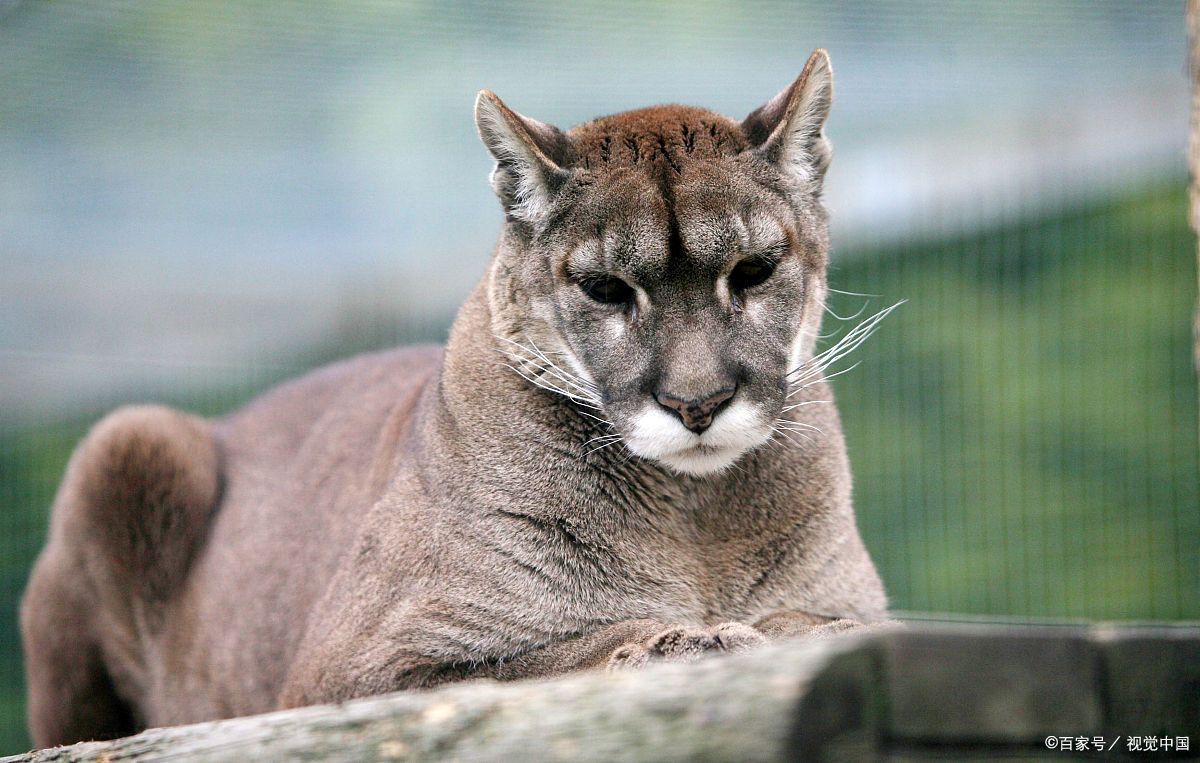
(528, 153)
(789, 129)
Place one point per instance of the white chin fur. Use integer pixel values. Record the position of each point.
(659, 435)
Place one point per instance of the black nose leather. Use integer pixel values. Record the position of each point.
(696, 415)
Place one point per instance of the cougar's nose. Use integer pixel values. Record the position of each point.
(696, 415)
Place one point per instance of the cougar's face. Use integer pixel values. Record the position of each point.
(665, 267)
(684, 310)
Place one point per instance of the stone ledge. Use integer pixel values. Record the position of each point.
(956, 691)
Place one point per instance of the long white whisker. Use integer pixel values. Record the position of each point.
(819, 363)
(863, 329)
(801, 432)
(553, 378)
(788, 437)
(578, 395)
(797, 389)
(539, 382)
(829, 310)
(603, 437)
(581, 385)
(546, 357)
(602, 447)
(603, 421)
(550, 388)
(844, 348)
(789, 424)
(546, 385)
(850, 341)
(787, 408)
(542, 383)
(574, 379)
(850, 293)
(780, 437)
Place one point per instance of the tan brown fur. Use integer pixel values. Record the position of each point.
(408, 518)
(655, 136)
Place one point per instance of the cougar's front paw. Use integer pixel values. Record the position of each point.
(685, 644)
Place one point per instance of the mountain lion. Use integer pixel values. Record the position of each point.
(626, 453)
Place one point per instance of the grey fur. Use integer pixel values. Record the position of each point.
(417, 516)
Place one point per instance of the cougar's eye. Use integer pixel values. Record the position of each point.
(749, 273)
(608, 290)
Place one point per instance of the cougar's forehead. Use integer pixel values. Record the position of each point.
(637, 226)
(658, 140)
(666, 190)
(621, 226)
(720, 211)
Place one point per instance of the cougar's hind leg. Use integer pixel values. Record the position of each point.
(129, 516)
(71, 697)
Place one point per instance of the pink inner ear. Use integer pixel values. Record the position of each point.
(761, 122)
(506, 127)
(550, 140)
(774, 109)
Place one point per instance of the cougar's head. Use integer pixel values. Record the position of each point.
(665, 267)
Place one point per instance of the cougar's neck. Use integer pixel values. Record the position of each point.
(472, 366)
(485, 400)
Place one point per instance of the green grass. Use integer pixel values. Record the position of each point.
(1023, 431)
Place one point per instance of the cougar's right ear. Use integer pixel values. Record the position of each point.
(529, 156)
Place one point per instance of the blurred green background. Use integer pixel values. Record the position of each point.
(199, 200)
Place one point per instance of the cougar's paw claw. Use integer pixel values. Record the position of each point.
(682, 644)
(685, 644)
(737, 637)
(628, 657)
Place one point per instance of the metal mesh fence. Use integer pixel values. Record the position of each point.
(199, 200)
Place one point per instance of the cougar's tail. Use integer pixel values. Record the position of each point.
(143, 485)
